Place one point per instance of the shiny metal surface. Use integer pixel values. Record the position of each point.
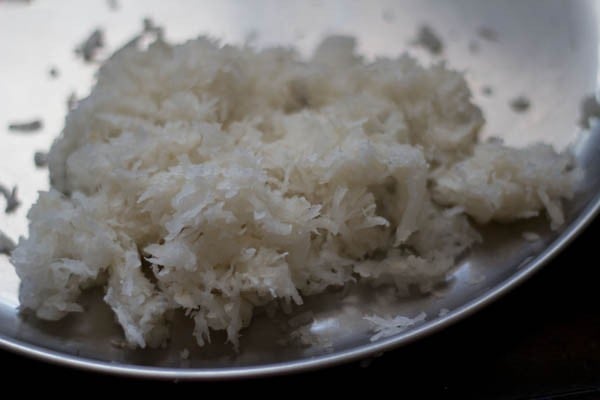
(547, 51)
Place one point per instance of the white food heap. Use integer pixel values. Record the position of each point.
(217, 179)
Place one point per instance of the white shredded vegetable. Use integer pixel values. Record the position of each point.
(216, 179)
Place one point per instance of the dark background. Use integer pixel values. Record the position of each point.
(541, 341)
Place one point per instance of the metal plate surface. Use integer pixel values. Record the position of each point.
(545, 50)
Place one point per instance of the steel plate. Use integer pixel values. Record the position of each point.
(546, 51)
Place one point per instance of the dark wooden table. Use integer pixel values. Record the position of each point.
(541, 341)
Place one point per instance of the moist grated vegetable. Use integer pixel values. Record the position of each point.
(216, 179)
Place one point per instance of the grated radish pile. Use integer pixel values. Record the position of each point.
(216, 179)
